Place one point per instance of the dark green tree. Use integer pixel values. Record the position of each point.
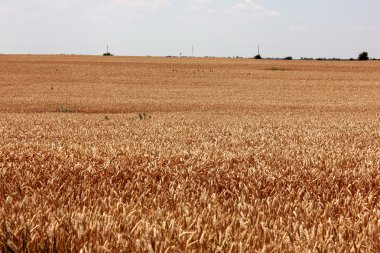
(363, 56)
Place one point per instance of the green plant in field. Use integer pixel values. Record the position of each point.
(143, 115)
(65, 109)
(274, 68)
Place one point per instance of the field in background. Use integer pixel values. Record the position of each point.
(178, 155)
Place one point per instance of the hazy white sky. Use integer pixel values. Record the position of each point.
(308, 28)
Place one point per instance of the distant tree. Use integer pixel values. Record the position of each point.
(288, 58)
(363, 56)
(257, 57)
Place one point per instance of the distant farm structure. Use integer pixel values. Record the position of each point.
(107, 53)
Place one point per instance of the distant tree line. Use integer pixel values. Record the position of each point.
(362, 57)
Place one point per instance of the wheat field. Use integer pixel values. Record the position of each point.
(136, 154)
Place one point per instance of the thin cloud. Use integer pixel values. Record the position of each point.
(297, 28)
(250, 6)
(141, 5)
(365, 28)
(126, 8)
(197, 5)
(5, 8)
(108, 5)
(58, 4)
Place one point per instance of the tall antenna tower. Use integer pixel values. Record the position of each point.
(258, 49)
(107, 50)
(192, 51)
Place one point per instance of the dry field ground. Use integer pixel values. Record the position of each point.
(230, 155)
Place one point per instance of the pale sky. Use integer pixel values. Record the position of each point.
(298, 28)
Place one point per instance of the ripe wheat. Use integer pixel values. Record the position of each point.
(188, 155)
